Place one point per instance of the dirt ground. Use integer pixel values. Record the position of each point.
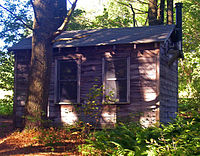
(13, 142)
(6, 126)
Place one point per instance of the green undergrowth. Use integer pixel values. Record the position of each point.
(6, 106)
(180, 137)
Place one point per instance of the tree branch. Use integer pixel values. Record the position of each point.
(35, 13)
(146, 20)
(142, 2)
(66, 21)
(18, 18)
(69, 2)
(128, 5)
(134, 21)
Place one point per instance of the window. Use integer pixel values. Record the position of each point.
(116, 78)
(68, 81)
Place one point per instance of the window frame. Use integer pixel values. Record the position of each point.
(128, 79)
(56, 87)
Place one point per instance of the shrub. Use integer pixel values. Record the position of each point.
(180, 137)
(6, 105)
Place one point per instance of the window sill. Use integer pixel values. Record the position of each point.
(66, 103)
(118, 103)
(114, 103)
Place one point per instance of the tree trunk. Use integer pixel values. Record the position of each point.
(153, 12)
(49, 15)
(161, 12)
(170, 16)
(39, 78)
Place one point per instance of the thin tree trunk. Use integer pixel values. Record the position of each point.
(161, 12)
(153, 12)
(170, 18)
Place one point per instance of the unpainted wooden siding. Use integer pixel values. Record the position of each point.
(168, 85)
(22, 61)
(144, 83)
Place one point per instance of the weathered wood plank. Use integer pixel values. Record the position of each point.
(143, 75)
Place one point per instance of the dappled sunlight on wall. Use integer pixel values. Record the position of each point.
(149, 74)
(108, 116)
(149, 94)
(68, 115)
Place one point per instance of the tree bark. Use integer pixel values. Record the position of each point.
(170, 16)
(49, 16)
(153, 12)
(161, 12)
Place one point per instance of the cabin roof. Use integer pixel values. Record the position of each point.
(112, 36)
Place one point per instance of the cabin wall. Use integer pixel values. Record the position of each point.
(22, 60)
(144, 84)
(91, 74)
(168, 84)
(91, 69)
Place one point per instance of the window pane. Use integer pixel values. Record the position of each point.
(68, 70)
(68, 91)
(109, 69)
(118, 89)
(116, 68)
(122, 90)
(111, 89)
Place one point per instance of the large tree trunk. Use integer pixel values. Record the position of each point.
(39, 78)
(152, 15)
(49, 15)
(170, 16)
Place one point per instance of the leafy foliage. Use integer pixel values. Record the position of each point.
(6, 82)
(7, 71)
(181, 137)
(78, 20)
(189, 68)
(6, 105)
(189, 105)
(92, 107)
(12, 28)
(114, 16)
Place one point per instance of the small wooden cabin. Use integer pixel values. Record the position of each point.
(139, 65)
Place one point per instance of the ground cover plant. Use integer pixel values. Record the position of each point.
(180, 137)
